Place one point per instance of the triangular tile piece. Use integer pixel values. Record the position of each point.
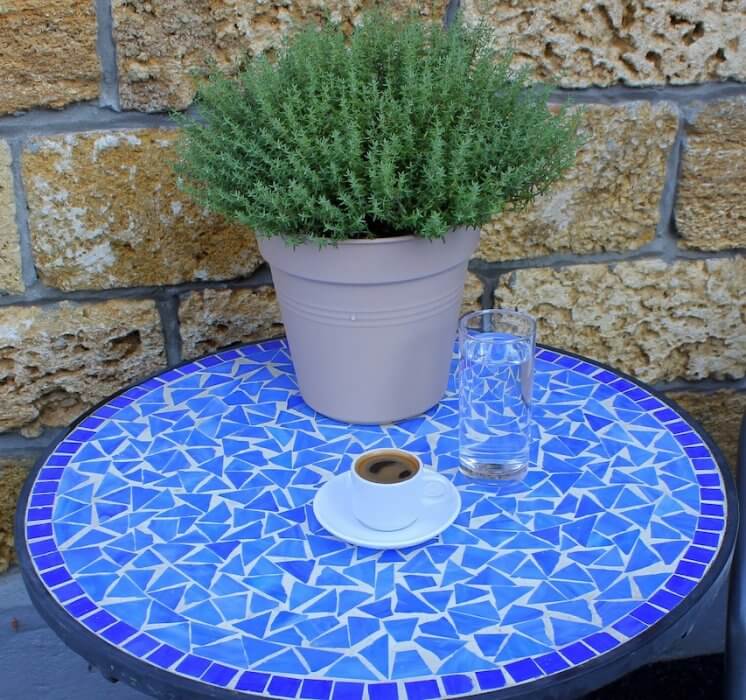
(317, 659)
(407, 602)
(401, 630)
(325, 604)
(442, 627)
(336, 639)
(442, 647)
(464, 661)
(670, 551)
(377, 655)
(352, 668)
(521, 613)
(454, 573)
(566, 632)
(287, 662)
(300, 570)
(409, 664)
(438, 599)
(545, 593)
(641, 557)
(518, 646)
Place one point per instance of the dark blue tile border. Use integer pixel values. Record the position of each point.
(219, 675)
(383, 691)
(422, 690)
(552, 663)
(490, 680)
(141, 645)
(165, 656)
(457, 684)
(577, 653)
(316, 689)
(252, 681)
(523, 670)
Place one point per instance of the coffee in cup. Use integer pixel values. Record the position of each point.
(387, 488)
(387, 467)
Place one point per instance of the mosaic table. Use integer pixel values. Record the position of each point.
(169, 538)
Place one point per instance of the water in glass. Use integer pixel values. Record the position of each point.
(496, 373)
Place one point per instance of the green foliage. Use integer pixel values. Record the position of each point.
(403, 128)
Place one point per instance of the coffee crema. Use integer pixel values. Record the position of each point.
(387, 468)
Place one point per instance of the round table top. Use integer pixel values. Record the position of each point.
(173, 528)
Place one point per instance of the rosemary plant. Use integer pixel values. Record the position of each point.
(401, 128)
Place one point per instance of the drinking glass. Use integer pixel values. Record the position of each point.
(496, 370)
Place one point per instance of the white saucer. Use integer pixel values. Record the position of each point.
(331, 506)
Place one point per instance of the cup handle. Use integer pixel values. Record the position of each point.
(435, 490)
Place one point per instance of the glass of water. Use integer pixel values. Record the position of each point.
(496, 371)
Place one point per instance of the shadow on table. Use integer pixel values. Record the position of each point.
(700, 678)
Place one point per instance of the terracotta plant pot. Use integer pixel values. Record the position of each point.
(371, 323)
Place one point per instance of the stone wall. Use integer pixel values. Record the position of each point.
(636, 258)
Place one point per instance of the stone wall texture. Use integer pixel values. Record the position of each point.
(214, 318)
(108, 272)
(58, 360)
(105, 211)
(12, 475)
(160, 45)
(47, 53)
(473, 291)
(609, 200)
(580, 43)
(10, 246)
(711, 207)
(656, 321)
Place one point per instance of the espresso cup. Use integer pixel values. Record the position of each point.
(383, 496)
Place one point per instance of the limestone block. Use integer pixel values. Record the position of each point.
(12, 475)
(10, 250)
(213, 318)
(473, 290)
(58, 360)
(719, 413)
(105, 211)
(656, 321)
(580, 43)
(161, 44)
(47, 53)
(608, 201)
(710, 206)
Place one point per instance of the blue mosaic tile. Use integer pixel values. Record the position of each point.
(552, 663)
(422, 690)
(383, 691)
(665, 599)
(490, 680)
(119, 633)
(524, 670)
(284, 687)
(176, 523)
(577, 653)
(707, 539)
(80, 607)
(253, 682)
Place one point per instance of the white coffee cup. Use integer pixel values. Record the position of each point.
(387, 506)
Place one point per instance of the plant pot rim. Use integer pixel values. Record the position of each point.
(368, 241)
(381, 261)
